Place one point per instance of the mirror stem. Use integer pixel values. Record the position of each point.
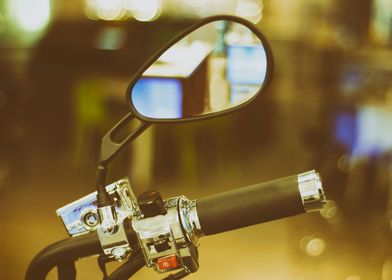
(103, 197)
(109, 151)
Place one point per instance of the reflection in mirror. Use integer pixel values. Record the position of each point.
(217, 67)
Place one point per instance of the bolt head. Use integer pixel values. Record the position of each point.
(119, 253)
(108, 228)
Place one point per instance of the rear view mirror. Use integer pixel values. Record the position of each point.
(217, 66)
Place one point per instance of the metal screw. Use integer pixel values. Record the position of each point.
(91, 219)
(108, 228)
(119, 253)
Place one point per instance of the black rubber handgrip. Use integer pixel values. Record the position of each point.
(250, 205)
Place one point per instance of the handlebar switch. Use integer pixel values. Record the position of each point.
(167, 263)
(166, 244)
(162, 245)
(151, 204)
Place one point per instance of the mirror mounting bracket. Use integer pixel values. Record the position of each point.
(110, 150)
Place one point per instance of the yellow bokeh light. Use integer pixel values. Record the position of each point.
(251, 10)
(144, 10)
(105, 9)
(315, 247)
(30, 15)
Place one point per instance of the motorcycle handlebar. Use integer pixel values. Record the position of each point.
(64, 251)
(260, 203)
(215, 214)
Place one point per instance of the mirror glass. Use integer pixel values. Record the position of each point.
(216, 67)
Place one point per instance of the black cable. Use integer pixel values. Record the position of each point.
(129, 268)
(102, 260)
(177, 276)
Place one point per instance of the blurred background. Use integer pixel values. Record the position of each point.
(64, 69)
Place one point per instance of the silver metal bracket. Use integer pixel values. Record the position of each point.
(114, 221)
(83, 216)
(115, 244)
(162, 239)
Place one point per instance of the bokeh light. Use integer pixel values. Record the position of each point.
(111, 10)
(312, 246)
(330, 212)
(104, 9)
(31, 16)
(251, 10)
(145, 10)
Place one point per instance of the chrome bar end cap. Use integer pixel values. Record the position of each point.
(311, 191)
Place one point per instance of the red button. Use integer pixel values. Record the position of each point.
(167, 263)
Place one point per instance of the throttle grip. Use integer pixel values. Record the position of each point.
(259, 203)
